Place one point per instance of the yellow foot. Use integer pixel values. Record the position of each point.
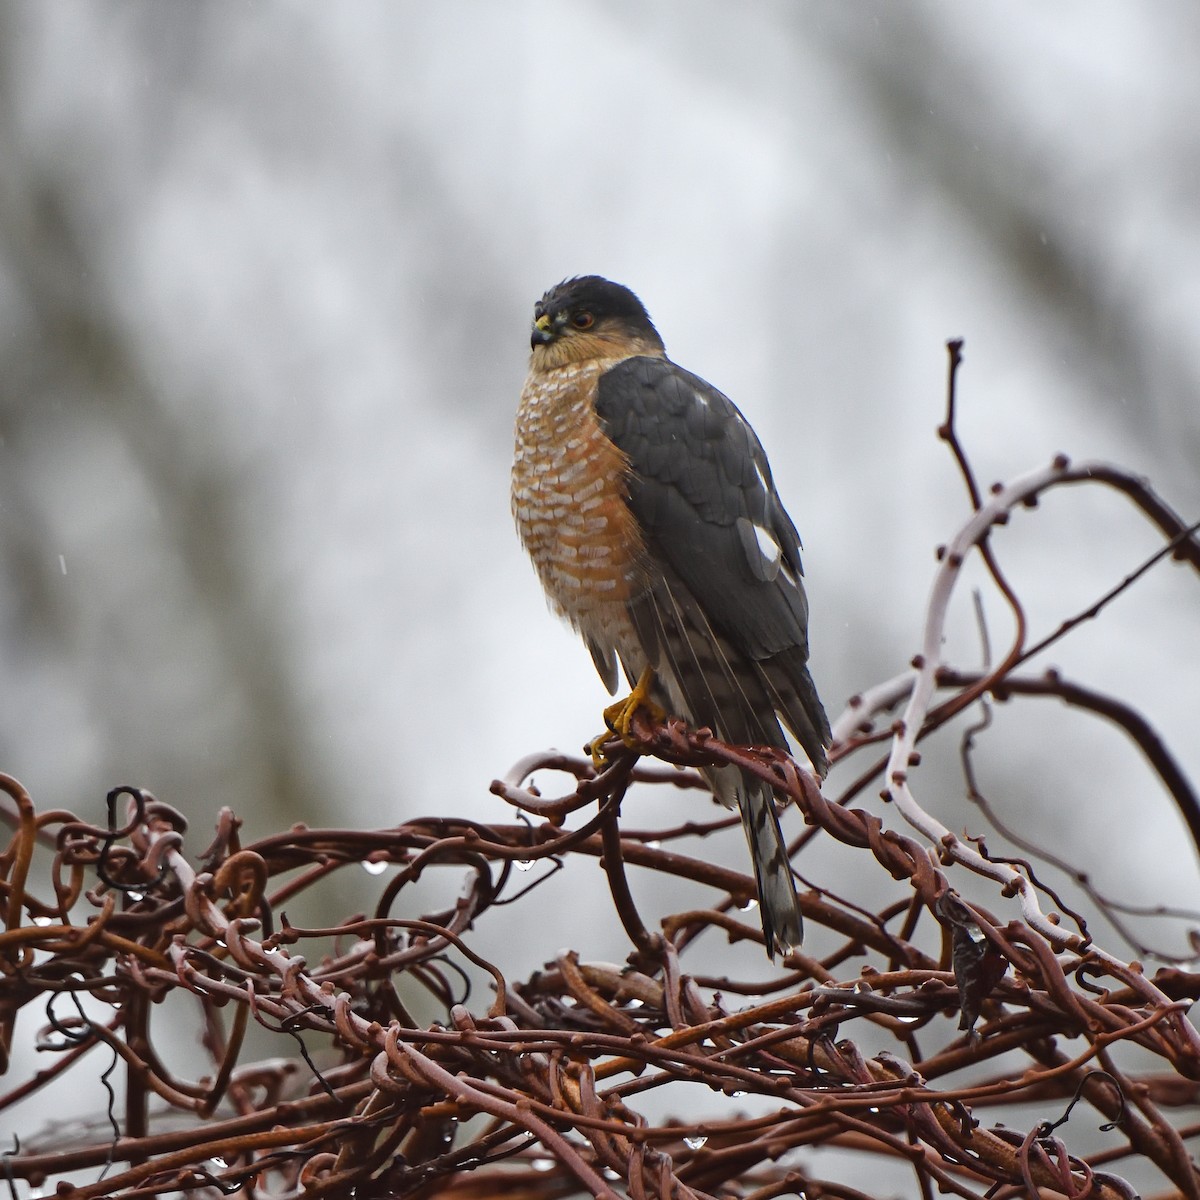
(619, 716)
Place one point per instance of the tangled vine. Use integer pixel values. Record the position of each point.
(988, 997)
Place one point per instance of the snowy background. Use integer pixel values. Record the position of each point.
(266, 273)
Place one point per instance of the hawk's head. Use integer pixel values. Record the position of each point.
(590, 317)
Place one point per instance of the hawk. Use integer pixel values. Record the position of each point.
(647, 505)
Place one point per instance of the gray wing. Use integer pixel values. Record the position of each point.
(701, 488)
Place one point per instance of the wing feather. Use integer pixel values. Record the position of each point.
(731, 599)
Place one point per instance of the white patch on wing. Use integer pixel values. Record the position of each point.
(768, 546)
(762, 550)
(762, 479)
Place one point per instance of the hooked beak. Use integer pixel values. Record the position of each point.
(542, 332)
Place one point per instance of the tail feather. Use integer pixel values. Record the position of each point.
(778, 908)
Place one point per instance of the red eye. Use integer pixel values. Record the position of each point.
(583, 320)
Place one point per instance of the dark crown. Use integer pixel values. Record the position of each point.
(599, 296)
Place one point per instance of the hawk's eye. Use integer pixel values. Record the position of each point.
(582, 320)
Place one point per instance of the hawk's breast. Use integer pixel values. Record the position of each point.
(569, 501)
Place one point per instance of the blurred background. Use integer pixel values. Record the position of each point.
(266, 275)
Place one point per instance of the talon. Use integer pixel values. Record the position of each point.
(595, 749)
(619, 716)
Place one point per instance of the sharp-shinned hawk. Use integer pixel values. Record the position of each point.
(647, 505)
